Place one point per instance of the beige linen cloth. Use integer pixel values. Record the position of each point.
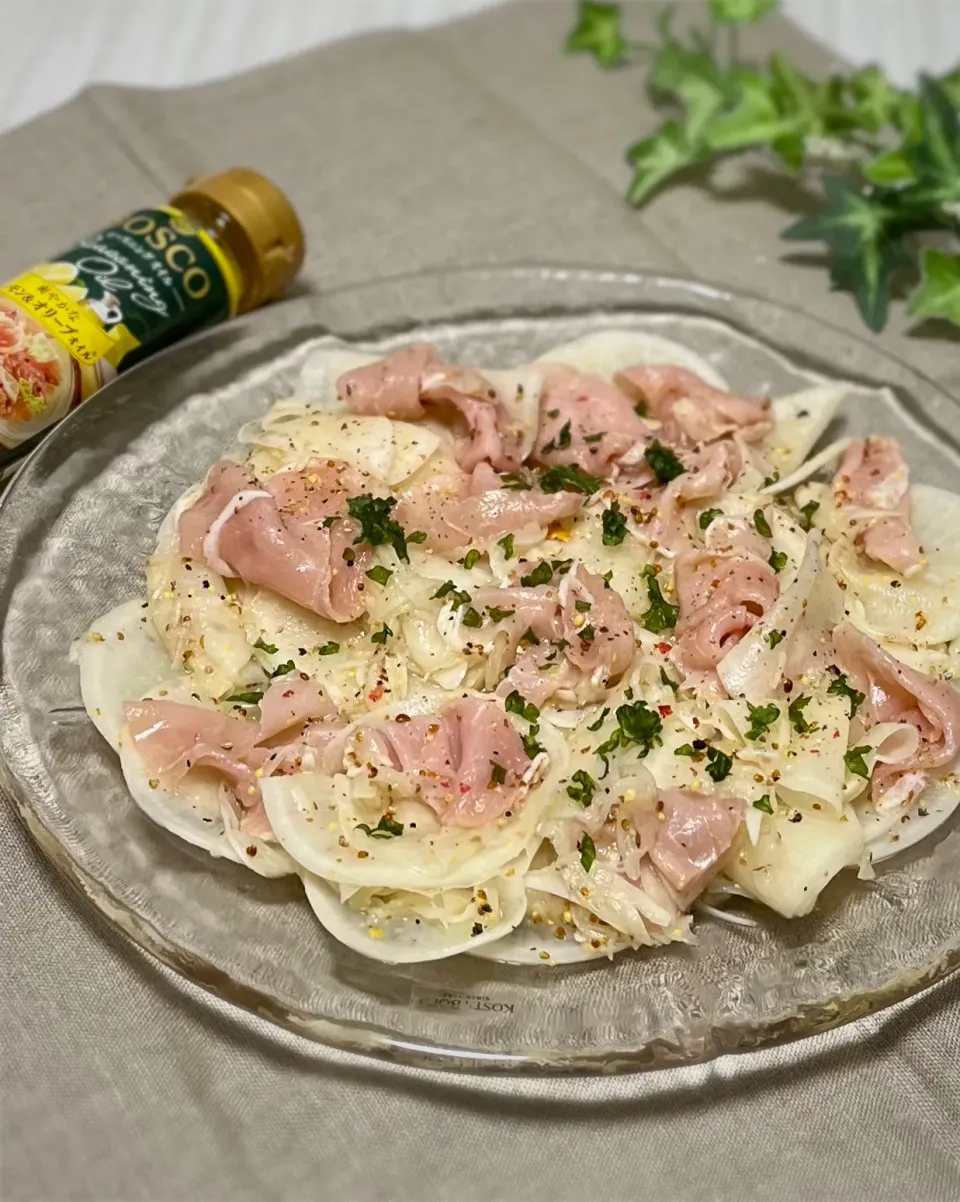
(477, 142)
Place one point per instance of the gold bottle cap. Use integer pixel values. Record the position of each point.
(271, 228)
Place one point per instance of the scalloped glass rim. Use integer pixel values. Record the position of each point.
(647, 1011)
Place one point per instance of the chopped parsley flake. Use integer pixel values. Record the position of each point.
(661, 615)
(517, 704)
(761, 523)
(529, 637)
(762, 717)
(777, 560)
(571, 477)
(719, 764)
(529, 741)
(330, 648)
(496, 614)
(763, 803)
(665, 679)
(379, 574)
(583, 788)
(560, 443)
(587, 634)
(636, 725)
(471, 558)
(269, 648)
(386, 828)
(588, 852)
(506, 546)
(775, 637)
(591, 439)
(707, 516)
(795, 714)
(856, 763)
(514, 482)
(498, 774)
(472, 618)
(377, 527)
(381, 635)
(283, 669)
(841, 688)
(806, 514)
(614, 526)
(663, 463)
(418, 536)
(599, 722)
(582, 607)
(249, 697)
(541, 574)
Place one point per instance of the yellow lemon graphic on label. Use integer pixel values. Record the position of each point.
(57, 273)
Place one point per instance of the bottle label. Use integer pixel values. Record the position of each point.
(69, 326)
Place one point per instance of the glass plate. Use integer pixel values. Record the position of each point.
(76, 527)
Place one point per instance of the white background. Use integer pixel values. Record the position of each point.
(50, 49)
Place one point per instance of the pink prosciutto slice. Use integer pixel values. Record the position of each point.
(873, 476)
(710, 471)
(171, 738)
(598, 636)
(690, 408)
(697, 829)
(466, 762)
(721, 597)
(414, 381)
(585, 421)
(895, 693)
(452, 516)
(277, 538)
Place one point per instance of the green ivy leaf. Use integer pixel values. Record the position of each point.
(754, 118)
(658, 157)
(876, 101)
(936, 156)
(598, 32)
(951, 86)
(939, 291)
(740, 12)
(866, 255)
(890, 169)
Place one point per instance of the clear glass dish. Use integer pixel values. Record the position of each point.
(76, 527)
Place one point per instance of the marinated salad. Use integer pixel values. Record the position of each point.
(537, 663)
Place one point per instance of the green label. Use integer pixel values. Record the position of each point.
(157, 276)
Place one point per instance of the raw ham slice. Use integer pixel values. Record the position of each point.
(172, 738)
(466, 762)
(697, 829)
(277, 539)
(391, 386)
(691, 409)
(452, 516)
(895, 693)
(721, 597)
(292, 701)
(873, 481)
(585, 421)
(709, 472)
(414, 381)
(599, 635)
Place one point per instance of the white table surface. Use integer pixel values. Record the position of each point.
(51, 49)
